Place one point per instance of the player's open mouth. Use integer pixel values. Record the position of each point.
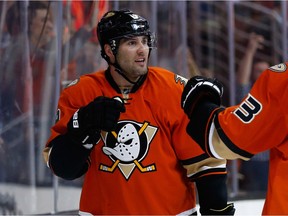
(140, 60)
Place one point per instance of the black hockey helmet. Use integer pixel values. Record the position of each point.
(115, 25)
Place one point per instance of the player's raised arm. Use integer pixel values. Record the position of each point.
(236, 131)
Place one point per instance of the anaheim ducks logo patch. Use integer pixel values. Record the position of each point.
(127, 147)
(278, 68)
(182, 80)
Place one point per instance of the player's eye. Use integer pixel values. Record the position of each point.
(131, 42)
(145, 41)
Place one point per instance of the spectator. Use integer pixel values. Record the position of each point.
(24, 67)
(255, 171)
(185, 63)
(37, 52)
(249, 69)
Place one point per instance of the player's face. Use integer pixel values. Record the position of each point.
(132, 56)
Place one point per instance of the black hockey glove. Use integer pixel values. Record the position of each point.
(200, 97)
(213, 196)
(198, 90)
(101, 114)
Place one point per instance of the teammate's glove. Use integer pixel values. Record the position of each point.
(228, 210)
(101, 114)
(200, 89)
(200, 98)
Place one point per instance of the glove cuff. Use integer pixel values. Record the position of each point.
(201, 115)
(82, 132)
(87, 139)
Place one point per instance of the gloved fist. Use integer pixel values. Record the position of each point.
(199, 89)
(101, 114)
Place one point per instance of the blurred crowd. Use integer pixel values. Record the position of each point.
(31, 63)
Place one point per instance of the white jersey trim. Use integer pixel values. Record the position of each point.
(84, 213)
(210, 141)
(188, 212)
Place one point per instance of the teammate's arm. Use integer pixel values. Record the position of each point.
(235, 132)
(69, 152)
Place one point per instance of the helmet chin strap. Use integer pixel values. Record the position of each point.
(120, 71)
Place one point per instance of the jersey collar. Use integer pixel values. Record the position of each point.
(115, 86)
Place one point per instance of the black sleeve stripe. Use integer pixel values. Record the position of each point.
(211, 171)
(211, 167)
(228, 142)
(194, 160)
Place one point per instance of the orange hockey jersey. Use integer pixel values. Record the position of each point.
(259, 123)
(142, 166)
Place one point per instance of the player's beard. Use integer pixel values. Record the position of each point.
(133, 72)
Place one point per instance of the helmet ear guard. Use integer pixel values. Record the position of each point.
(114, 47)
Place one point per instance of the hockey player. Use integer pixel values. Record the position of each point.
(123, 128)
(259, 123)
